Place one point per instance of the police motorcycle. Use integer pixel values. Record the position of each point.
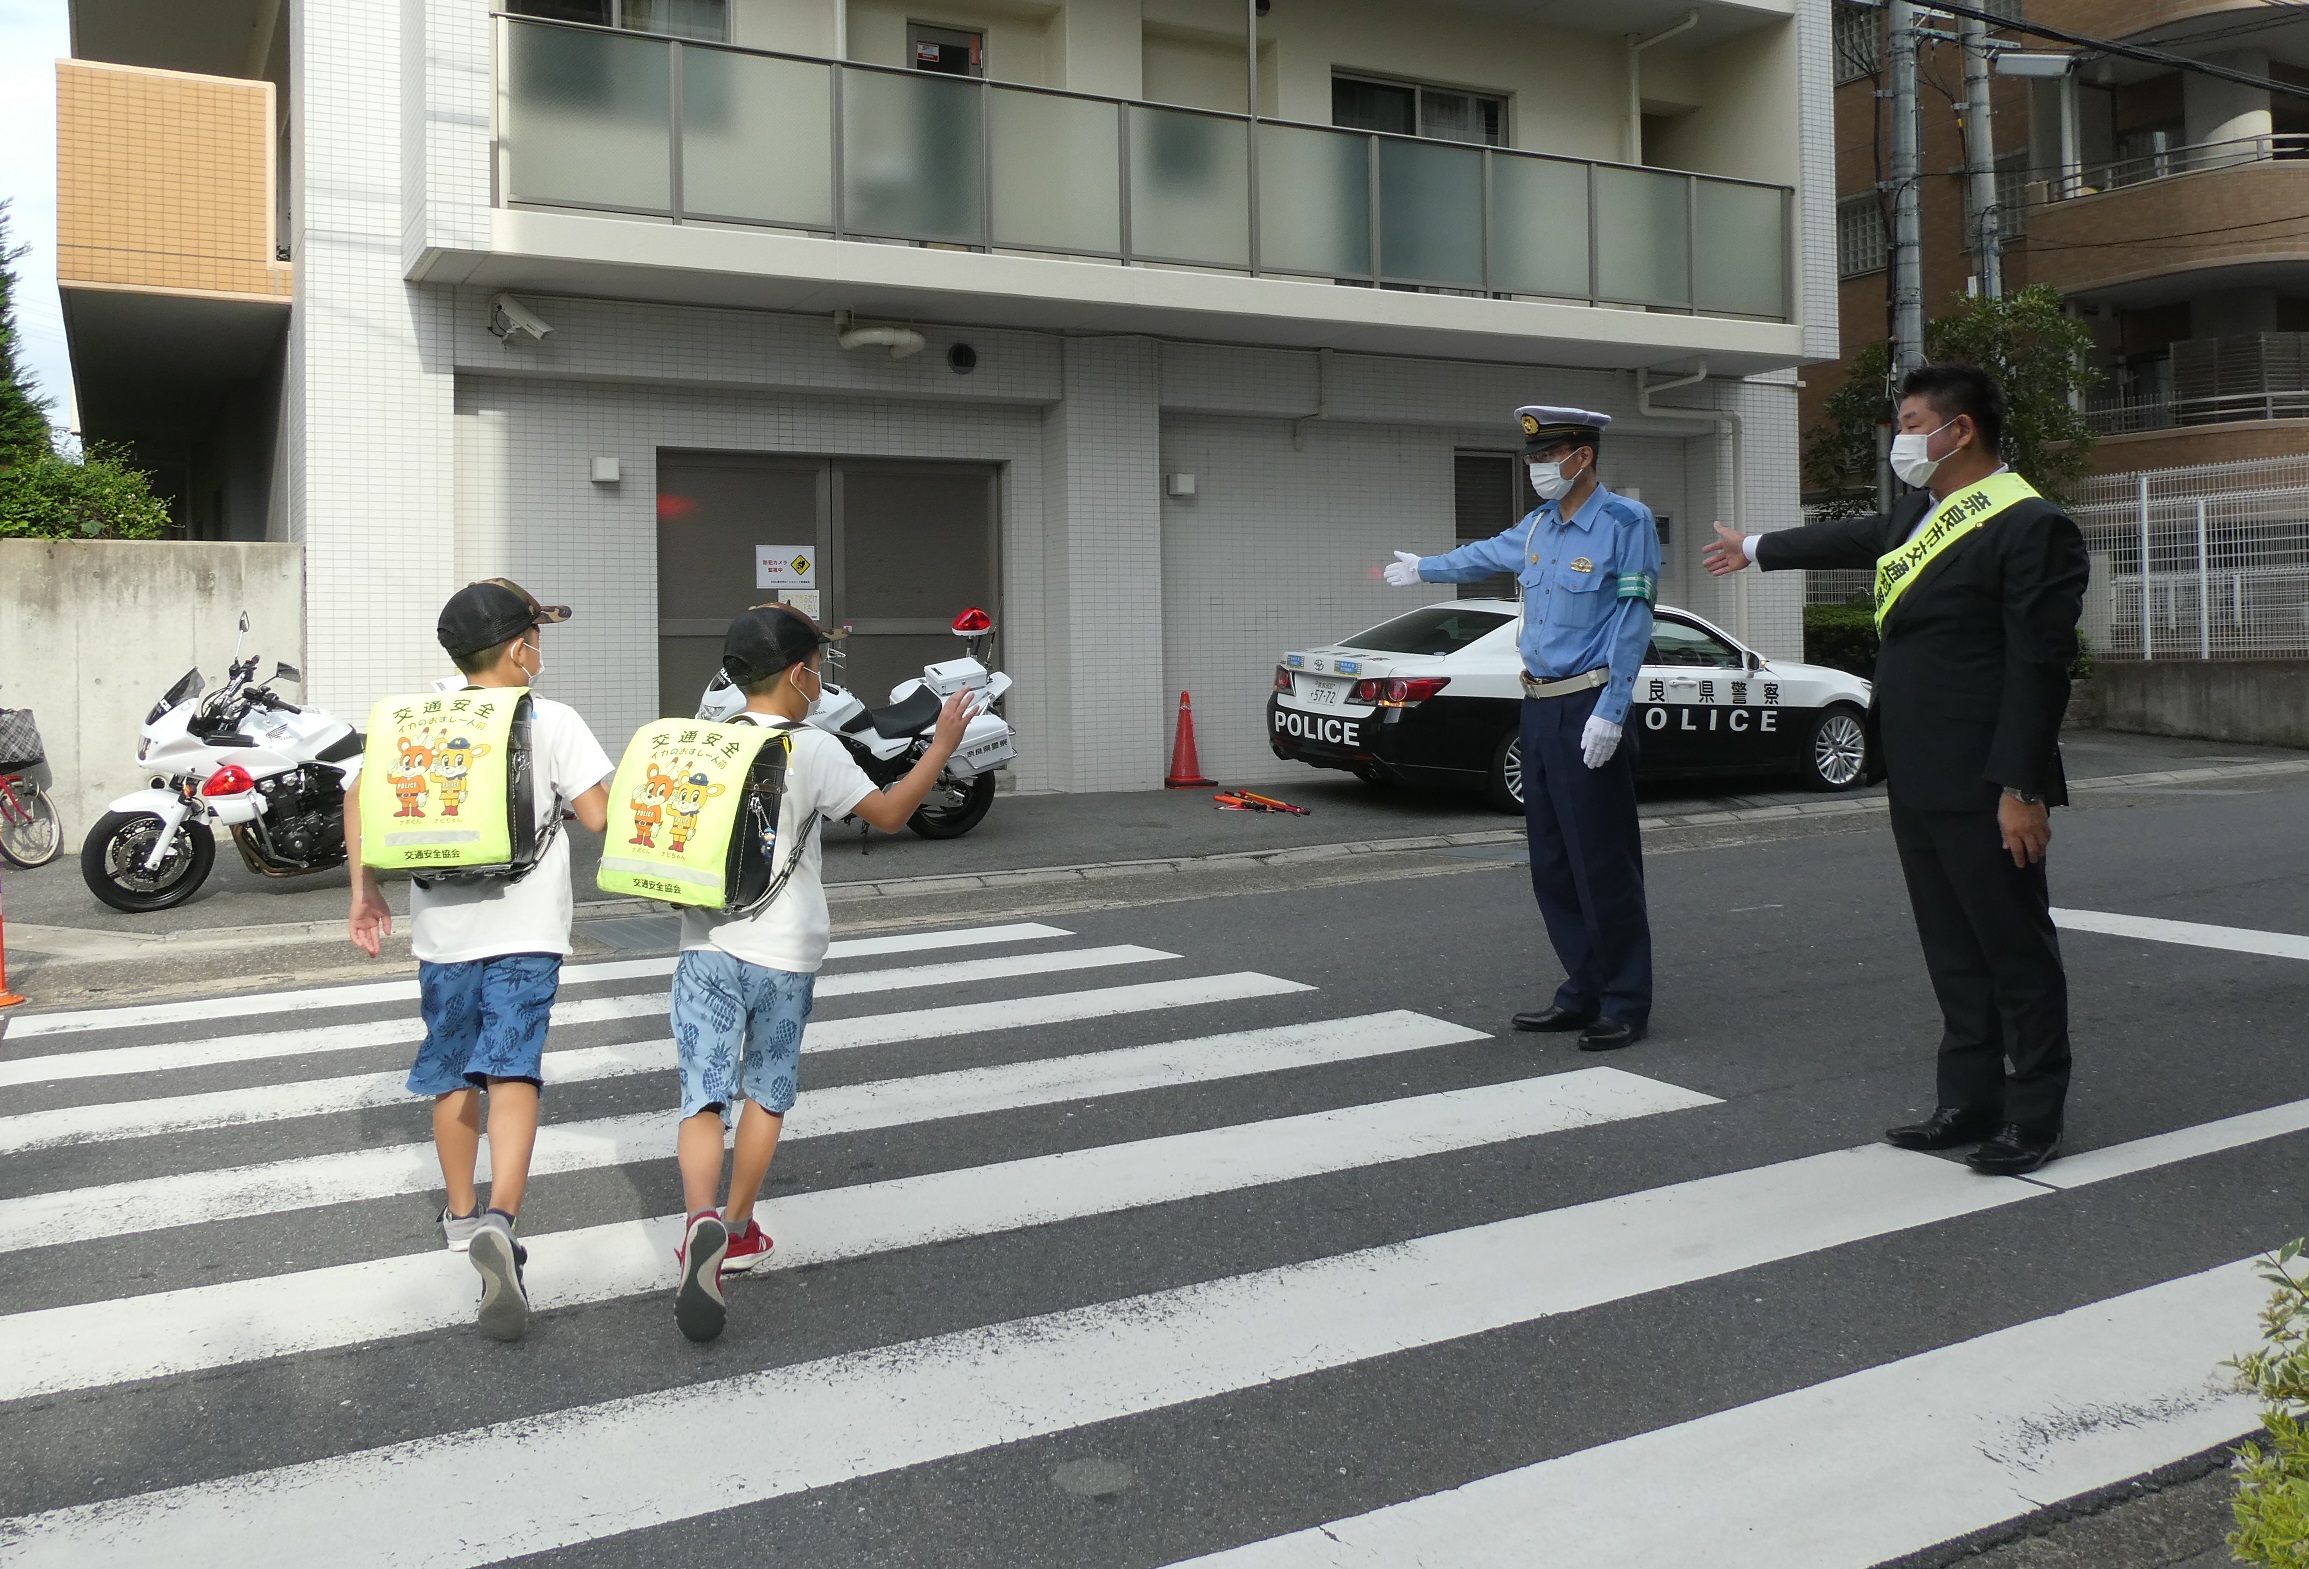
(888, 741)
(241, 756)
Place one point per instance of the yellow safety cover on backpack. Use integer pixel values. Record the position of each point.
(675, 811)
(436, 781)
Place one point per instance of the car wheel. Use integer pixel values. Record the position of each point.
(1503, 785)
(1836, 756)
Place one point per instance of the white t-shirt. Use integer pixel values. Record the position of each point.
(450, 923)
(791, 932)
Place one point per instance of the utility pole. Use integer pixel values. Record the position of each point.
(1907, 214)
(1980, 159)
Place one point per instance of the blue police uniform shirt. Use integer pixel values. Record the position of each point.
(1588, 582)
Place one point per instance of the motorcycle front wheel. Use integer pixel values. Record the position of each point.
(954, 807)
(113, 855)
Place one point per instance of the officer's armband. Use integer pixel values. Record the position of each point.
(1639, 585)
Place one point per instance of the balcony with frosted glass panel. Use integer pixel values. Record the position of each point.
(1141, 202)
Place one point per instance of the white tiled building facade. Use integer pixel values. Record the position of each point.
(1320, 423)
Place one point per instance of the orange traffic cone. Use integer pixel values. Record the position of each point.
(8, 999)
(1186, 769)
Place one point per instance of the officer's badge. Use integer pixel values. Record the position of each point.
(1582, 564)
(1531, 425)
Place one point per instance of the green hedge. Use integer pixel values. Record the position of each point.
(1842, 637)
(49, 495)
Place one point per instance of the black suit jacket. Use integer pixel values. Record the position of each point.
(1972, 678)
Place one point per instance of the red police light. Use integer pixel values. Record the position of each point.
(232, 779)
(973, 622)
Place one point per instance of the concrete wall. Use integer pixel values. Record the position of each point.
(92, 632)
(2263, 702)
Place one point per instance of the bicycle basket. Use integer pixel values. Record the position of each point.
(19, 740)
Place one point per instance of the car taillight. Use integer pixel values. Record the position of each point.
(1282, 678)
(232, 779)
(1402, 691)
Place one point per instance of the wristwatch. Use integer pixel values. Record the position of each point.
(2023, 797)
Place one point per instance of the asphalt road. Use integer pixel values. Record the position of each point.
(1673, 1302)
(1034, 831)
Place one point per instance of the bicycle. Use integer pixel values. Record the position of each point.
(31, 834)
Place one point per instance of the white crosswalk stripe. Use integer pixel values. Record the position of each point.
(1326, 1095)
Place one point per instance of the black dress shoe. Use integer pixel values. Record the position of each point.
(1609, 1035)
(1945, 1129)
(1553, 1018)
(2013, 1152)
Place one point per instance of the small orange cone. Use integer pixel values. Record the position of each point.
(8, 999)
(1186, 769)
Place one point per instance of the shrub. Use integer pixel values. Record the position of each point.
(51, 495)
(2272, 1502)
(1843, 637)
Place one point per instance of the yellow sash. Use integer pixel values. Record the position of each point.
(1957, 518)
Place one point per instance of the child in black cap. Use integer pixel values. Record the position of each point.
(489, 953)
(743, 988)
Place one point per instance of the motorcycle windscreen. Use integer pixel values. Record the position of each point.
(439, 780)
(678, 819)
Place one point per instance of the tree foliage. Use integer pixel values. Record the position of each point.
(23, 418)
(92, 495)
(2272, 1502)
(45, 492)
(2036, 354)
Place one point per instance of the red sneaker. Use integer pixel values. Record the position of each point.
(749, 1245)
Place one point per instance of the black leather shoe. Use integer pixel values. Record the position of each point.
(1552, 1018)
(1945, 1129)
(1609, 1035)
(2013, 1152)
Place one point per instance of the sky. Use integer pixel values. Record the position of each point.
(34, 34)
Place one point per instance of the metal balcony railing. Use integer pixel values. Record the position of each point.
(2164, 164)
(2211, 381)
(611, 121)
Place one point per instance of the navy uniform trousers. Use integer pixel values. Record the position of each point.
(1587, 860)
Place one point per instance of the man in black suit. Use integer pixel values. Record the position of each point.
(1979, 582)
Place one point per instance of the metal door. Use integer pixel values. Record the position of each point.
(914, 544)
(714, 513)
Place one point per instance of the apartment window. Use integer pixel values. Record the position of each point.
(1860, 238)
(945, 51)
(1446, 114)
(708, 20)
(1859, 42)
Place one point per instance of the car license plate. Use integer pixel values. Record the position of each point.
(1321, 694)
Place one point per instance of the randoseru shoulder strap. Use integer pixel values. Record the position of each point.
(793, 859)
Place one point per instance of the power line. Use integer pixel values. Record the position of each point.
(2141, 52)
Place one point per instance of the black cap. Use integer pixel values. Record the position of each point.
(768, 638)
(483, 615)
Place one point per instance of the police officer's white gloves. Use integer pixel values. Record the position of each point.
(1598, 741)
(1403, 571)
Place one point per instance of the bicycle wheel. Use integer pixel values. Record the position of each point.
(30, 832)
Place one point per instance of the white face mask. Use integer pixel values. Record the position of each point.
(536, 653)
(1909, 460)
(1548, 482)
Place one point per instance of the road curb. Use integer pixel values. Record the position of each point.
(59, 946)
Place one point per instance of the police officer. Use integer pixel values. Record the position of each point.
(1588, 563)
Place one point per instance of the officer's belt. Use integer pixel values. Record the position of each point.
(1534, 687)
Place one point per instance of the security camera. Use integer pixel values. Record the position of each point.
(508, 317)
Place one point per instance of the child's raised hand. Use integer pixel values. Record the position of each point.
(954, 717)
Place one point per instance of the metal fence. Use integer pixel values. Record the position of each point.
(2226, 547)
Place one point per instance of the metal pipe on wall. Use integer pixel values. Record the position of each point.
(1637, 44)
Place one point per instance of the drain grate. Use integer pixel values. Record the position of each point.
(635, 933)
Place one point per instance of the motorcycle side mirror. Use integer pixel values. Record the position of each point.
(244, 621)
(284, 671)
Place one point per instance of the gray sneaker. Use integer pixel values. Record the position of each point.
(457, 1230)
(504, 1311)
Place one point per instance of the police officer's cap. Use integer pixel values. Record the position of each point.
(768, 638)
(1546, 424)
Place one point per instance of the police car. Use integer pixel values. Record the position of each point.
(1435, 696)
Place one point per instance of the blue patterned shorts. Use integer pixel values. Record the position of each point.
(484, 1019)
(738, 1030)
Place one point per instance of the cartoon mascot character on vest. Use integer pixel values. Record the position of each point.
(683, 805)
(452, 766)
(649, 806)
(409, 784)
